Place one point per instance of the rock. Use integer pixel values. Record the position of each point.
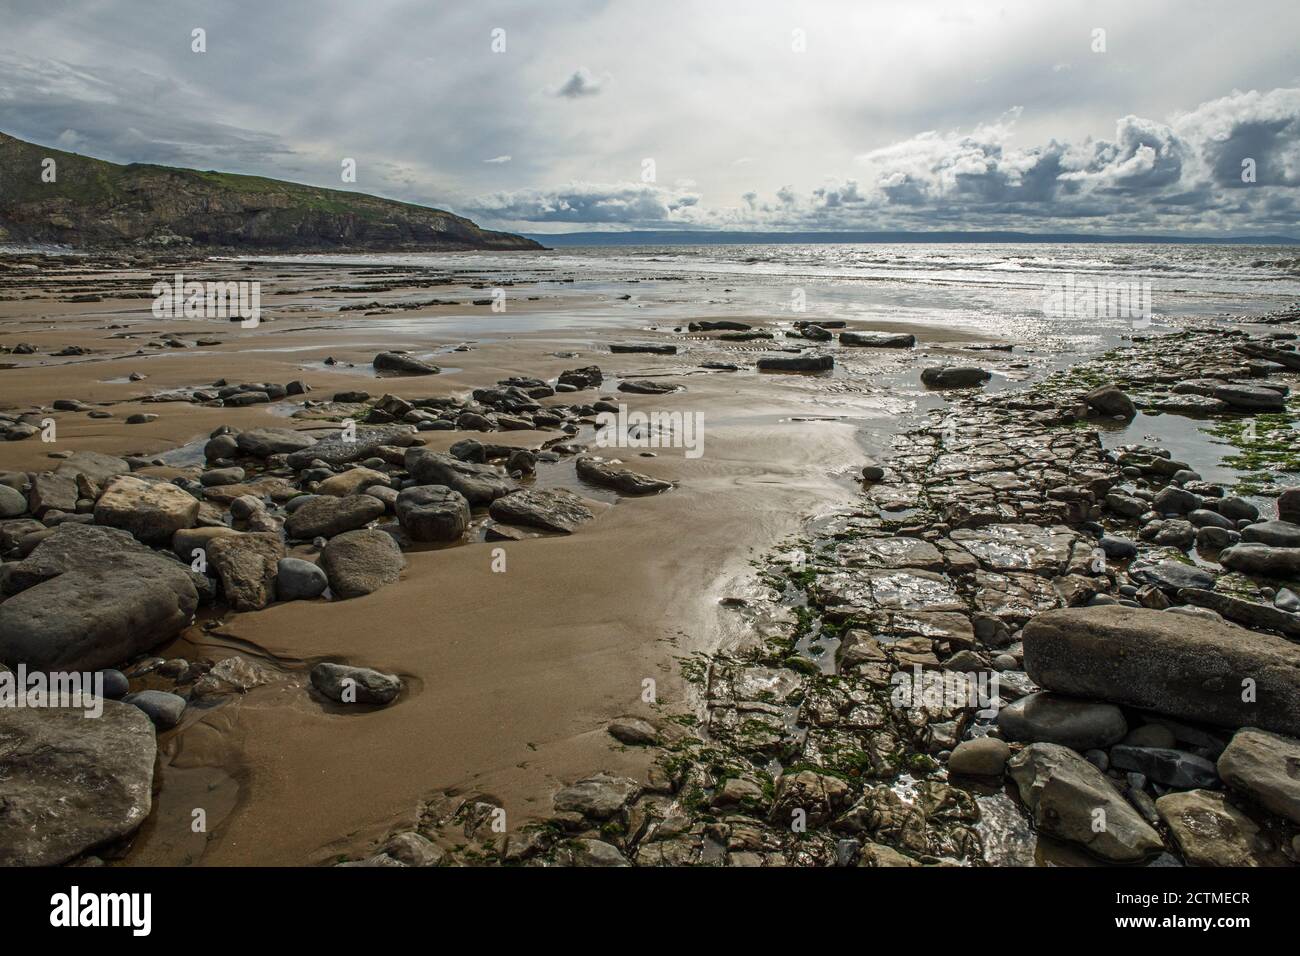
(796, 363)
(222, 476)
(95, 465)
(1151, 735)
(1244, 612)
(587, 852)
(954, 376)
(1239, 509)
(233, 675)
(72, 784)
(598, 797)
(403, 363)
(634, 731)
(412, 849)
(1287, 600)
(1064, 793)
(877, 340)
(1018, 547)
(152, 511)
(351, 482)
(645, 386)
(79, 547)
(555, 510)
(12, 502)
(247, 565)
(820, 797)
(479, 484)
(872, 473)
(164, 709)
(1266, 768)
(1250, 398)
(1125, 506)
(1110, 400)
(1116, 548)
(359, 562)
(325, 517)
(1208, 830)
(86, 620)
(1288, 506)
(1278, 534)
(1051, 718)
(338, 450)
(1173, 576)
(630, 348)
(582, 378)
(606, 473)
(265, 442)
(980, 757)
(432, 513)
(1153, 660)
(50, 492)
(1261, 559)
(1173, 768)
(299, 580)
(355, 685)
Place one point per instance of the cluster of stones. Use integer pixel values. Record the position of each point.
(107, 558)
(1011, 620)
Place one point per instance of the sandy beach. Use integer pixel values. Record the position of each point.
(512, 677)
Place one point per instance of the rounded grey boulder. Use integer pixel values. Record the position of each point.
(299, 580)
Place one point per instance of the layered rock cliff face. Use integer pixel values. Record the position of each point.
(93, 203)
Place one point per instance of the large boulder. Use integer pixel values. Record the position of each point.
(72, 784)
(1266, 768)
(325, 516)
(1110, 400)
(153, 511)
(1071, 800)
(359, 562)
(480, 484)
(433, 513)
(82, 547)
(246, 564)
(553, 509)
(92, 619)
(1154, 660)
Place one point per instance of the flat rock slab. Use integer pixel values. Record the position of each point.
(551, 510)
(337, 451)
(892, 553)
(72, 783)
(888, 590)
(325, 516)
(609, 473)
(877, 340)
(1018, 547)
(1155, 660)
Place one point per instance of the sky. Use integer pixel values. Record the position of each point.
(1156, 116)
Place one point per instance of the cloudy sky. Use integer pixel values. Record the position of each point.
(578, 114)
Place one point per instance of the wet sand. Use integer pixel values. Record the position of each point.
(511, 677)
